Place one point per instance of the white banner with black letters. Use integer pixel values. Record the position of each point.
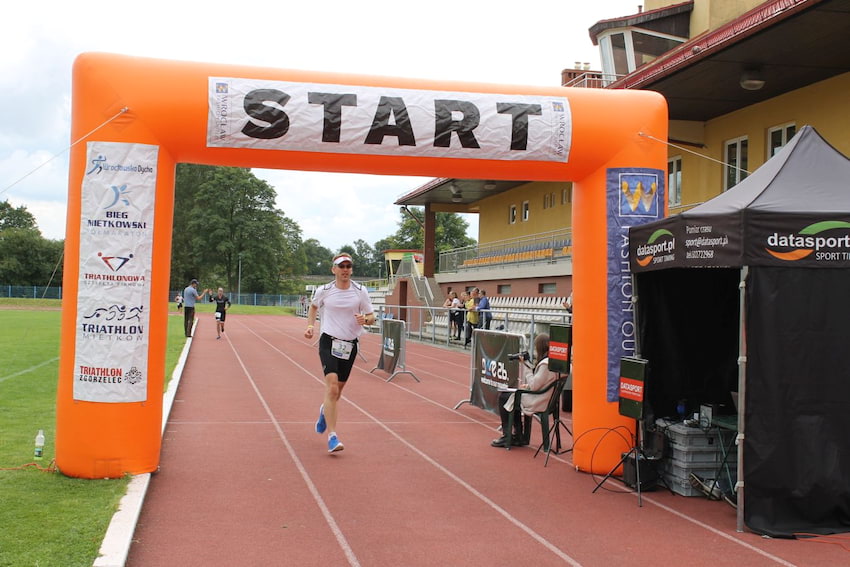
(277, 115)
(113, 299)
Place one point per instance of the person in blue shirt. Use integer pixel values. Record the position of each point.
(485, 316)
(190, 296)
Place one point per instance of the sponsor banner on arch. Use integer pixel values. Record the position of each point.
(113, 297)
(277, 115)
(635, 196)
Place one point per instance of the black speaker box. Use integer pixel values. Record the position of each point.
(648, 475)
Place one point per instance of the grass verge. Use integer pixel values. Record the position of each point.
(47, 518)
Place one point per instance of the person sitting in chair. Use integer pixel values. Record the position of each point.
(536, 379)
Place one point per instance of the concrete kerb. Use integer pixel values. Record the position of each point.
(119, 535)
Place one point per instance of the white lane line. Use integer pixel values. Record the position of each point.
(343, 543)
(691, 519)
(471, 489)
(30, 369)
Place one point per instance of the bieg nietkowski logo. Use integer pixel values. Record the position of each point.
(807, 241)
(646, 252)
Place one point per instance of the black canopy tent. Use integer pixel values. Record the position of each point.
(773, 251)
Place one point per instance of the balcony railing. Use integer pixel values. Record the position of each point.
(592, 80)
(540, 247)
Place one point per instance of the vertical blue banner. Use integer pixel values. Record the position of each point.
(635, 196)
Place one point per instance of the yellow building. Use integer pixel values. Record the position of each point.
(740, 78)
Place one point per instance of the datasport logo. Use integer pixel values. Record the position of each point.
(822, 239)
(660, 244)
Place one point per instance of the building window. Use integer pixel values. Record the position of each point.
(735, 168)
(625, 51)
(674, 181)
(547, 288)
(512, 215)
(525, 211)
(552, 199)
(504, 289)
(565, 196)
(778, 136)
(546, 201)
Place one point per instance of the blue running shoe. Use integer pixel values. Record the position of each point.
(321, 426)
(334, 444)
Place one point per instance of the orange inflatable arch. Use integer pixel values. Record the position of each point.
(137, 118)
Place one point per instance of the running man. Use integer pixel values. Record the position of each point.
(345, 308)
(222, 303)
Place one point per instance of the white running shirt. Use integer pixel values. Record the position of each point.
(337, 308)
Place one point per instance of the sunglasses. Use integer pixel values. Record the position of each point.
(345, 266)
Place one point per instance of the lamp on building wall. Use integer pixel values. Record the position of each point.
(752, 79)
(489, 185)
(457, 197)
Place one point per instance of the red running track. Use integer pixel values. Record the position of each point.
(246, 481)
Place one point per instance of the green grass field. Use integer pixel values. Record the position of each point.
(47, 519)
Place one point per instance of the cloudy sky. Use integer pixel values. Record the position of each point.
(524, 43)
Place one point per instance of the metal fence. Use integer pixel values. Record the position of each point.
(262, 299)
(31, 291)
(433, 323)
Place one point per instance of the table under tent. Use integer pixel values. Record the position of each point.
(747, 296)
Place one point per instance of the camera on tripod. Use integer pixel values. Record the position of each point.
(516, 356)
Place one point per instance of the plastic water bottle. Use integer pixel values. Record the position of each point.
(39, 445)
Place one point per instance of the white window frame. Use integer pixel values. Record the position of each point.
(783, 128)
(606, 51)
(674, 181)
(526, 213)
(512, 215)
(565, 196)
(741, 164)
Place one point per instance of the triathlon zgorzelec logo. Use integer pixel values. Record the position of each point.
(654, 246)
(808, 241)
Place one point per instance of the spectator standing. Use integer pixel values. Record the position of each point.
(471, 315)
(461, 313)
(484, 314)
(190, 296)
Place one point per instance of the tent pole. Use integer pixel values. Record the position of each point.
(742, 392)
(635, 316)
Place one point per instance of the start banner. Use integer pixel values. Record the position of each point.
(307, 117)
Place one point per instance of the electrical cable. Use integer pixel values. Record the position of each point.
(672, 145)
(607, 430)
(74, 143)
(51, 468)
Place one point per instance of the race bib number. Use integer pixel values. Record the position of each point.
(342, 349)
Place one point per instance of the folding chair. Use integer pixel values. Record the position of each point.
(551, 430)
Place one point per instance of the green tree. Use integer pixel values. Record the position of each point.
(450, 232)
(369, 262)
(228, 221)
(184, 262)
(20, 217)
(317, 257)
(27, 258)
